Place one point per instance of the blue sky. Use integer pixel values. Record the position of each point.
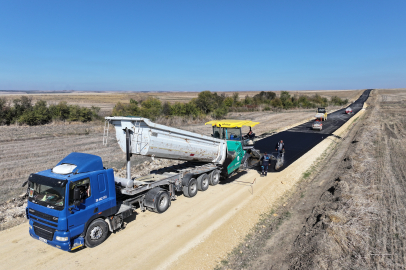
(202, 45)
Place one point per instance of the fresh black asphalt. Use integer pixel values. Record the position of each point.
(300, 139)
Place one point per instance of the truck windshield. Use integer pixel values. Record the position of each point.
(47, 191)
(218, 132)
(234, 134)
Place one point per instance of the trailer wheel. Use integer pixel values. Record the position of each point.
(163, 202)
(96, 233)
(214, 177)
(191, 189)
(203, 182)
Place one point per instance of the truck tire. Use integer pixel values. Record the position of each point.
(191, 189)
(157, 200)
(163, 202)
(214, 177)
(96, 233)
(203, 182)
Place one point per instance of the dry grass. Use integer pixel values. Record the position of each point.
(352, 214)
(367, 231)
(352, 95)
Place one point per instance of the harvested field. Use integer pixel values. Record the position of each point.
(30, 149)
(350, 212)
(26, 149)
(106, 100)
(204, 228)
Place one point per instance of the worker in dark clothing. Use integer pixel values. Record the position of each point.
(266, 159)
(250, 135)
(280, 147)
(249, 138)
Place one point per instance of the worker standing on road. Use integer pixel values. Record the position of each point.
(280, 147)
(265, 163)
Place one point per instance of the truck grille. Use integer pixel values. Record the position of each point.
(42, 215)
(43, 231)
(43, 221)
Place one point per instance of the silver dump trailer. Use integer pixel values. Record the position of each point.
(204, 156)
(150, 139)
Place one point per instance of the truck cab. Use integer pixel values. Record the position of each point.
(65, 200)
(321, 114)
(240, 148)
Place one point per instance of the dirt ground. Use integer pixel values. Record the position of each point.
(25, 150)
(193, 234)
(346, 213)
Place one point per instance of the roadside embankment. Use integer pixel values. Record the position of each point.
(212, 245)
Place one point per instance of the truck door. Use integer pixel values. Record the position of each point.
(79, 215)
(101, 182)
(103, 201)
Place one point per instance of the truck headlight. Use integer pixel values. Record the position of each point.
(62, 239)
(30, 227)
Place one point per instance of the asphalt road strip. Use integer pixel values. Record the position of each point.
(300, 139)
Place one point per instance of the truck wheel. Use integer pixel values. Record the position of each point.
(214, 177)
(96, 233)
(203, 182)
(163, 202)
(191, 189)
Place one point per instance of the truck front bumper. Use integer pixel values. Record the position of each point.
(63, 245)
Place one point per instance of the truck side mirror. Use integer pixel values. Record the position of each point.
(76, 196)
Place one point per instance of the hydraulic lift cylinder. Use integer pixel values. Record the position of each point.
(128, 152)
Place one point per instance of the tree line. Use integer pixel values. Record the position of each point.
(217, 106)
(23, 111)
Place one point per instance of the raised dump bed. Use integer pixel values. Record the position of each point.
(151, 139)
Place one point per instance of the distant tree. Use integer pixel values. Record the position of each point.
(42, 112)
(284, 96)
(133, 101)
(338, 101)
(248, 100)
(166, 109)
(235, 97)
(264, 97)
(207, 102)
(277, 103)
(229, 101)
(151, 108)
(220, 112)
(60, 111)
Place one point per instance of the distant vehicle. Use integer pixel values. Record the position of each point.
(317, 124)
(348, 110)
(321, 114)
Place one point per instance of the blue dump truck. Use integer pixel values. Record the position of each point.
(78, 202)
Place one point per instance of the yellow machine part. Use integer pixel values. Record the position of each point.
(232, 123)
